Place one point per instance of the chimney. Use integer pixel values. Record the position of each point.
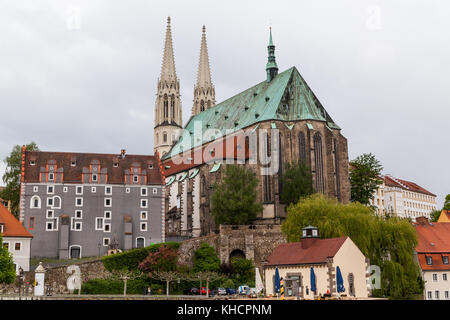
(310, 235)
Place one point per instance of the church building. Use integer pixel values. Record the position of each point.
(277, 121)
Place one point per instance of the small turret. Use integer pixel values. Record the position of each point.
(271, 66)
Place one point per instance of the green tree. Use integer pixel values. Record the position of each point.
(164, 259)
(12, 176)
(434, 215)
(205, 259)
(234, 200)
(7, 270)
(297, 182)
(447, 203)
(243, 271)
(388, 243)
(364, 177)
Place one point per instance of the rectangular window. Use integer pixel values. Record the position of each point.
(78, 214)
(93, 189)
(143, 215)
(51, 176)
(143, 191)
(78, 202)
(444, 276)
(17, 246)
(434, 276)
(107, 227)
(76, 225)
(445, 259)
(94, 177)
(108, 202)
(143, 203)
(49, 226)
(446, 295)
(50, 189)
(50, 214)
(98, 223)
(106, 242)
(108, 190)
(107, 215)
(31, 223)
(430, 295)
(79, 190)
(135, 179)
(436, 295)
(143, 226)
(49, 202)
(429, 260)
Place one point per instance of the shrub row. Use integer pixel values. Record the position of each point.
(113, 286)
(130, 259)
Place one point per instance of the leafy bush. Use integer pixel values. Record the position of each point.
(243, 271)
(164, 259)
(115, 286)
(205, 258)
(130, 259)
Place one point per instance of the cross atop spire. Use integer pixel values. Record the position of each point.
(168, 66)
(204, 74)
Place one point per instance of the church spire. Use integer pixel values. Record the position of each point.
(271, 66)
(204, 93)
(168, 66)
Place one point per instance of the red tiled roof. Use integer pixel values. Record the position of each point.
(406, 185)
(437, 263)
(72, 174)
(433, 237)
(294, 254)
(11, 226)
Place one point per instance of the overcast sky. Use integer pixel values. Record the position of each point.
(81, 76)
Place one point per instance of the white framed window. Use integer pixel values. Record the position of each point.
(99, 222)
(78, 202)
(107, 227)
(446, 295)
(135, 179)
(436, 294)
(106, 242)
(51, 176)
(143, 226)
(50, 202)
(49, 226)
(108, 202)
(94, 189)
(50, 189)
(107, 215)
(143, 215)
(78, 214)
(155, 190)
(94, 177)
(65, 189)
(108, 190)
(429, 295)
(50, 214)
(35, 202)
(144, 191)
(435, 278)
(32, 162)
(79, 190)
(143, 203)
(444, 276)
(127, 190)
(140, 242)
(17, 246)
(76, 225)
(56, 202)
(35, 189)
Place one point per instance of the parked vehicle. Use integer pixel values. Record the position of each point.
(203, 290)
(231, 291)
(193, 291)
(251, 293)
(213, 293)
(242, 290)
(221, 291)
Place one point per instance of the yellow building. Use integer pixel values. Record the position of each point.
(445, 216)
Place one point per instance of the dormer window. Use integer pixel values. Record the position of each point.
(429, 260)
(73, 163)
(2, 228)
(115, 164)
(445, 259)
(94, 177)
(135, 178)
(51, 176)
(32, 162)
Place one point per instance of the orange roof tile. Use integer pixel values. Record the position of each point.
(294, 254)
(11, 226)
(433, 238)
(406, 185)
(437, 261)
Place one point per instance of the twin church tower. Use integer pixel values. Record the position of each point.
(168, 111)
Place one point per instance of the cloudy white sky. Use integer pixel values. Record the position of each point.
(81, 76)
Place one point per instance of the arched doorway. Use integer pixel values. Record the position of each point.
(237, 253)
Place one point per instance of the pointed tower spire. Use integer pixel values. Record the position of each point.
(204, 93)
(168, 66)
(271, 66)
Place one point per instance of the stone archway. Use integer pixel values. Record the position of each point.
(236, 253)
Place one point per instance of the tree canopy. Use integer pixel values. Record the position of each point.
(234, 200)
(297, 182)
(388, 243)
(205, 259)
(7, 270)
(447, 203)
(364, 177)
(12, 176)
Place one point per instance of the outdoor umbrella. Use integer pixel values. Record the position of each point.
(339, 280)
(313, 281)
(277, 280)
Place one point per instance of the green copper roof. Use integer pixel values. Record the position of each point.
(286, 98)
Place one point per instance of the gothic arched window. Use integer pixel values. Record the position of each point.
(166, 106)
(336, 169)
(202, 105)
(318, 157)
(280, 166)
(164, 137)
(172, 106)
(301, 147)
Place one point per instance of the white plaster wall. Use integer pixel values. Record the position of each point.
(440, 285)
(22, 257)
(351, 260)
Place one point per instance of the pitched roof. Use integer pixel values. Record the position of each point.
(433, 237)
(72, 174)
(406, 185)
(444, 216)
(294, 254)
(437, 261)
(11, 226)
(262, 102)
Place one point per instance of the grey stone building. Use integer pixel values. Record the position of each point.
(83, 204)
